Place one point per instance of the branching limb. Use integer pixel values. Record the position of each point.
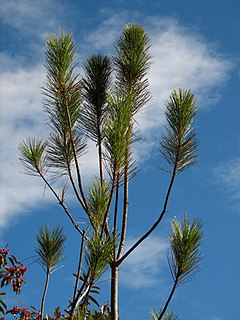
(154, 226)
(33, 159)
(179, 146)
(60, 201)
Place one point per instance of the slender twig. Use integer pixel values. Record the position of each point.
(84, 295)
(154, 226)
(100, 156)
(79, 264)
(75, 188)
(74, 153)
(105, 218)
(125, 213)
(116, 208)
(60, 201)
(169, 298)
(71, 176)
(44, 294)
(78, 295)
(78, 196)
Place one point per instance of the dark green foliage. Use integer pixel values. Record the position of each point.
(118, 132)
(98, 254)
(33, 155)
(98, 199)
(132, 62)
(50, 247)
(179, 144)
(96, 84)
(63, 99)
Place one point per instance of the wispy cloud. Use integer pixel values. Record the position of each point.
(141, 268)
(181, 58)
(31, 17)
(21, 115)
(228, 176)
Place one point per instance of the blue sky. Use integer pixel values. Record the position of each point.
(195, 44)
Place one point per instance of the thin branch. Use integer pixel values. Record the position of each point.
(169, 298)
(85, 293)
(116, 208)
(100, 157)
(75, 188)
(79, 264)
(78, 196)
(60, 201)
(44, 294)
(105, 224)
(75, 156)
(154, 226)
(125, 213)
(78, 295)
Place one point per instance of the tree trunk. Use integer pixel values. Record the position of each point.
(114, 292)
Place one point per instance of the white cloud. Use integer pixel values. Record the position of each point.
(143, 266)
(31, 17)
(228, 176)
(180, 59)
(21, 115)
(183, 59)
(229, 173)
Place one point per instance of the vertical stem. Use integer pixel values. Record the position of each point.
(78, 296)
(105, 218)
(79, 265)
(116, 208)
(74, 152)
(114, 292)
(45, 293)
(125, 214)
(100, 159)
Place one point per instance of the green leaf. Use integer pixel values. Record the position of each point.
(179, 145)
(155, 315)
(93, 300)
(50, 246)
(119, 132)
(32, 155)
(98, 199)
(96, 83)
(63, 103)
(98, 254)
(185, 241)
(132, 62)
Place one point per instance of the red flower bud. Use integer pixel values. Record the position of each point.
(23, 269)
(10, 269)
(4, 251)
(14, 310)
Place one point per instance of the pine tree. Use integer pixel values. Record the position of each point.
(102, 106)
